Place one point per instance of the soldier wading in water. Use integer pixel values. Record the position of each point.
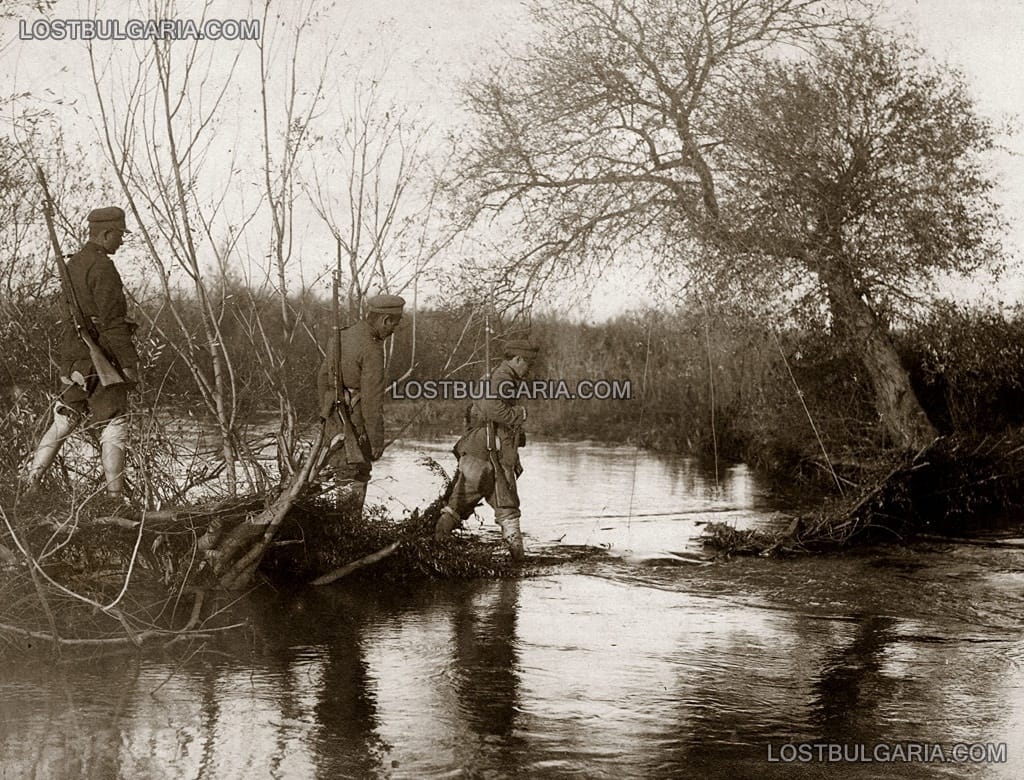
(488, 452)
(358, 361)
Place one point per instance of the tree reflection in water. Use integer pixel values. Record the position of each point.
(445, 654)
(314, 646)
(485, 662)
(850, 685)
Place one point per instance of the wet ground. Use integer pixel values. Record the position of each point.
(636, 660)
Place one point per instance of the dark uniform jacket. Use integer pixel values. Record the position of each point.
(502, 411)
(362, 370)
(101, 296)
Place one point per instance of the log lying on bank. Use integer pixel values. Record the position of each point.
(955, 486)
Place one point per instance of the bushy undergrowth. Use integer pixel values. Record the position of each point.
(968, 368)
(789, 401)
(702, 381)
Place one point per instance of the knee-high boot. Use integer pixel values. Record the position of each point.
(46, 451)
(113, 441)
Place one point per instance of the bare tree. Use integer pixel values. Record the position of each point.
(287, 126)
(384, 214)
(618, 131)
(157, 121)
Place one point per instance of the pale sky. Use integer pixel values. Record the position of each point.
(431, 46)
(983, 39)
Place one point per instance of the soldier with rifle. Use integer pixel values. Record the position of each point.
(99, 363)
(488, 452)
(351, 385)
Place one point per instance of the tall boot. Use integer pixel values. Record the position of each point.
(357, 491)
(46, 451)
(349, 495)
(112, 448)
(511, 534)
(448, 521)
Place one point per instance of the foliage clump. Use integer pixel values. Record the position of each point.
(952, 488)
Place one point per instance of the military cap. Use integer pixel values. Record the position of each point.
(109, 216)
(385, 304)
(521, 348)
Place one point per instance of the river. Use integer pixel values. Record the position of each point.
(640, 659)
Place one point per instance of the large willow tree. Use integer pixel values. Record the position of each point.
(743, 139)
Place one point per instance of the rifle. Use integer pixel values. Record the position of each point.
(505, 491)
(505, 495)
(105, 369)
(339, 404)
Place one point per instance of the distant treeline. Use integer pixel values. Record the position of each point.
(703, 382)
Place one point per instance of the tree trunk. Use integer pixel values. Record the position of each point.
(904, 420)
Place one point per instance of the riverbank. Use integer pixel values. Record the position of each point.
(716, 385)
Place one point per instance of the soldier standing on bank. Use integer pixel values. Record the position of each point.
(488, 452)
(100, 292)
(359, 362)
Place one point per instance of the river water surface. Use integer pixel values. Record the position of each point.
(638, 660)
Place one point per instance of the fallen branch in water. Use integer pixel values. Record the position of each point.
(118, 641)
(978, 542)
(347, 569)
(131, 636)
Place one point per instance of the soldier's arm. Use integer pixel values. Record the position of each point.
(372, 384)
(500, 410)
(112, 312)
